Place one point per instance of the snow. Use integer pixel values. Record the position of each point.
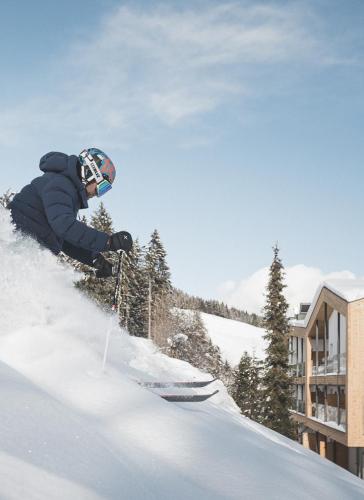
(235, 337)
(68, 430)
(348, 289)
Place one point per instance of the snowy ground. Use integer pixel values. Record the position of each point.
(235, 337)
(70, 431)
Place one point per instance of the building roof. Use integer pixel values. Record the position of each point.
(347, 289)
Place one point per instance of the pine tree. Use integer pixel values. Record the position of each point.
(100, 290)
(157, 267)
(101, 220)
(134, 293)
(6, 198)
(277, 381)
(247, 387)
(159, 281)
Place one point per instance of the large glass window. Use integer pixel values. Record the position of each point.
(300, 399)
(342, 406)
(297, 356)
(328, 404)
(313, 392)
(320, 347)
(333, 343)
(332, 408)
(329, 344)
(321, 411)
(342, 345)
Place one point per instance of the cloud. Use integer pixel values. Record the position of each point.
(302, 282)
(163, 65)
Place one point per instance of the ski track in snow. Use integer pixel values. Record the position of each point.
(70, 431)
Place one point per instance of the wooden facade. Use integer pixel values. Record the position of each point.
(330, 388)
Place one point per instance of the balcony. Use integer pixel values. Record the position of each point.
(334, 366)
(298, 369)
(301, 407)
(327, 405)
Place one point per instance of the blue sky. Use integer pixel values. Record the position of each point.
(234, 124)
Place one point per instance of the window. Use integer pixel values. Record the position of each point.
(300, 399)
(332, 408)
(333, 343)
(342, 345)
(297, 356)
(329, 345)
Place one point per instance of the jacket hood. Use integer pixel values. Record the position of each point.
(60, 163)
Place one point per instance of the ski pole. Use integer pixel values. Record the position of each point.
(115, 302)
(114, 306)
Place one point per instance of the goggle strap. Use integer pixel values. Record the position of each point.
(91, 164)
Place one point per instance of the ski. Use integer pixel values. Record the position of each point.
(162, 385)
(187, 398)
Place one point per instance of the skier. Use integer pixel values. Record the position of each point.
(47, 208)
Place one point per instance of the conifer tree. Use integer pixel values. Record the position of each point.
(134, 293)
(6, 198)
(101, 220)
(277, 381)
(62, 257)
(159, 281)
(101, 290)
(156, 266)
(247, 387)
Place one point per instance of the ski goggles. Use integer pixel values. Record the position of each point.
(103, 184)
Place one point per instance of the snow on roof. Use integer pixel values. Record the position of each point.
(347, 289)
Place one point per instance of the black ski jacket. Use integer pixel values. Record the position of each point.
(47, 210)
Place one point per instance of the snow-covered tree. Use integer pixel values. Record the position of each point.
(6, 198)
(134, 293)
(190, 342)
(247, 390)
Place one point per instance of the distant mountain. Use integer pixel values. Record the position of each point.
(183, 300)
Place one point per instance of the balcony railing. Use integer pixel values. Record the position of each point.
(297, 370)
(332, 366)
(301, 408)
(320, 412)
(342, 415)
(330, 414)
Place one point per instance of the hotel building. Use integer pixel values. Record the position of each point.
(327, 362)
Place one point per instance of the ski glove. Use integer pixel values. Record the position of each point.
(120, 241)
(104, 269)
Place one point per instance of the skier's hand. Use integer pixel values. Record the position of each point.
(120, 241)
(104, 269)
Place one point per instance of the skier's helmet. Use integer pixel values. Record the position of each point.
(97, 166)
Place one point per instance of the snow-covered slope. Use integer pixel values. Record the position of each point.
(70, 431)
(234, 337)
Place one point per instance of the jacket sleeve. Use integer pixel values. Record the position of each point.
(79, 254)
(58, 200)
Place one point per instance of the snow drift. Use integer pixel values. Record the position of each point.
(70, 431)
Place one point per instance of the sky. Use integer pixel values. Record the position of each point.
(233, 125)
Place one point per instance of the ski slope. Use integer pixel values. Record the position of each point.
(234, 337)
(70, 431)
